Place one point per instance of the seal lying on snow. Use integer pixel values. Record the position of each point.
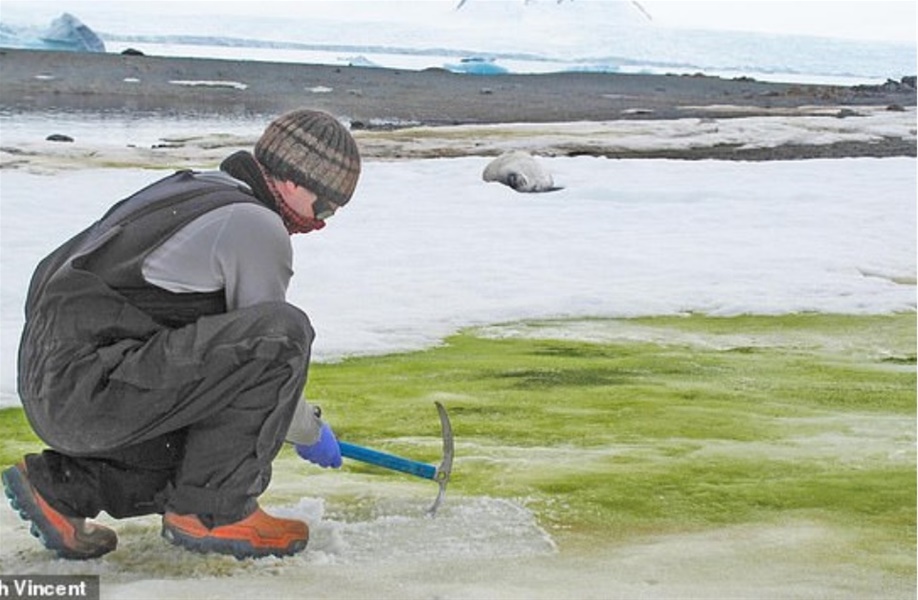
(520, 171)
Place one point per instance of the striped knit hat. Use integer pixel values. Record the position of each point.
(314, 150)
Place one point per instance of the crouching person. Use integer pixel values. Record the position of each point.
(161, 363)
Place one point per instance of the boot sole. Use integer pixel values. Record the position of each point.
(19, 493)
(240, 549)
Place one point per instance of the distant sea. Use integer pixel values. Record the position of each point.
(481, 37)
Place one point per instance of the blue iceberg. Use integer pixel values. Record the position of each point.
(477, 66)
(65, 33)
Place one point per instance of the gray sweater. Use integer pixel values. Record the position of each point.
(244, 249)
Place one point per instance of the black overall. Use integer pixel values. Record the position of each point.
(151, 400)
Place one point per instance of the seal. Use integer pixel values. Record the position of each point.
(520, 171)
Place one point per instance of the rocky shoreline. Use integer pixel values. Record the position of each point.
(377, 100)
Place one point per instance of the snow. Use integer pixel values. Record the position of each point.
(426, 247)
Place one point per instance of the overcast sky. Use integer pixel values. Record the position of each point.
(894, 20)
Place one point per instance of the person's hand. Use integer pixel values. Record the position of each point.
(326, 452)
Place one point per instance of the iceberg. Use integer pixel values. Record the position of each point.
(69, 33)
(477, 65)
(65, 33)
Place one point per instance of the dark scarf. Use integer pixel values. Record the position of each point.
(243, 166)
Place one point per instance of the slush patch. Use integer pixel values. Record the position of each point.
(399, 531)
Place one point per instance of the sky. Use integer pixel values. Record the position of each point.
(892, 21)
(879, 20)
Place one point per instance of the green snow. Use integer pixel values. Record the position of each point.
(610, 430)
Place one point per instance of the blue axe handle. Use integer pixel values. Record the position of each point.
(388, 461)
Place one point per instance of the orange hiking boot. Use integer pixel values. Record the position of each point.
(259, 534)
(70, 537)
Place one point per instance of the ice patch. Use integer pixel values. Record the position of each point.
(204, 83)
(396, 531)
(368, 534)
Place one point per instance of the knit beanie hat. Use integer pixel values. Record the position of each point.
(312, 149)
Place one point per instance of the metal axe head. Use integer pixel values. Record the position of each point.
(446, 465)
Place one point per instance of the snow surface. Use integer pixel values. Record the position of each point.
(426, 247)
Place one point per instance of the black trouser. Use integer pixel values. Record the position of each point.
(191, 425)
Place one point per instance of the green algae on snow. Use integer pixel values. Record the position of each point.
(660, 425)
(612, 429)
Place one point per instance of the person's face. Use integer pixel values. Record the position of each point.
(304, 202)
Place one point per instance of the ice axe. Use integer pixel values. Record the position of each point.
(439, 474)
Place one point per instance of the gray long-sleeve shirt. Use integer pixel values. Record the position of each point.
(242, 248)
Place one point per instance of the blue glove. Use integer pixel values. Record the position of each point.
(326, 452)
